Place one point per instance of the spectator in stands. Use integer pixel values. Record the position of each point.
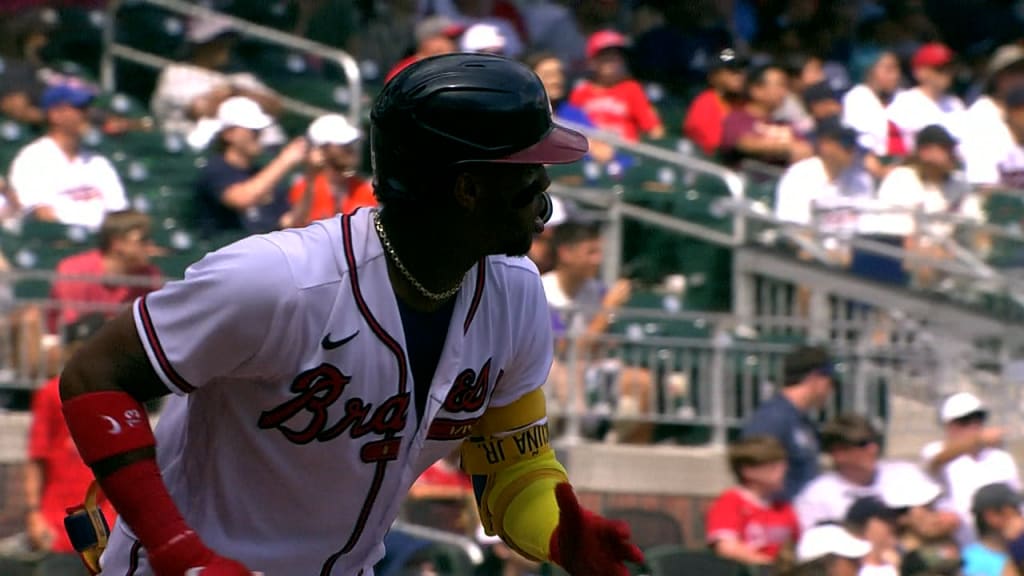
(803, 71)
(822, 103)
(54, 178)
(553, 27)
(117, 272)
(502, 14)
(829, 550)
(997, 513)
(869, 518)
(864, 109)
(806, 386)
(435, 35)
(331, 185)
(188, 94)
(926, 541)
(483, 39)
(704, 119)
(928, 184)
(233, 193)
(930, 101)
(750, 132)
(610, 97)
(748, 523)
(823, 190)
(552, 74)
(55, 476)
(23, 73)
(995, 160)
(580, 303)
(854, 447)
(969, 457)
(988, 143)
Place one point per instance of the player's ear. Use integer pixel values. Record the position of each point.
(466, 191)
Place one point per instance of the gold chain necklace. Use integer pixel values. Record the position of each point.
(386, 242)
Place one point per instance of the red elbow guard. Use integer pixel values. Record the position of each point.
(106, 424)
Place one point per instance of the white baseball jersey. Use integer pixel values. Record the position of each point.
(298, 438)
(912, 111)
(81, 190)
(991, 154)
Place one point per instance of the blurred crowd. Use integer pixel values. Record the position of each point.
(868, 114)
(955, 511)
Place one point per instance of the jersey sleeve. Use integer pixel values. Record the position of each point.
(532, 339)
(793, 199)
(725, 518)
(219, 319)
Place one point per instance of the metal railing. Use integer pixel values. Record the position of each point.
(705, 371)
(114, 50)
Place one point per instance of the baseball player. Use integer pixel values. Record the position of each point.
(316, 372)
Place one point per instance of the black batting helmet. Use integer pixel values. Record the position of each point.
(452, 109)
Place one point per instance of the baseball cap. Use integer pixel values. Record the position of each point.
(994, 496)
(834, 129)
(482, 38)
(728, 59)
(73, 94)
(242, 112)
(604, 40)
(819, 92)
(914, 493)
(932, 55)
(84, 327)
(935, 135)
(959, 405)
(830, 539)
(806, 359)
(1003, 58)
(204, 30)
(868, 507)
(435, 26)
(332, 129)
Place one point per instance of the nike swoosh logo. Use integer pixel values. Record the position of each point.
(329, 344)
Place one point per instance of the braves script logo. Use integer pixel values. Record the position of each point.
(468, 393)
(317, 390)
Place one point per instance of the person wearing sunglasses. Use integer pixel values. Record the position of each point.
(969, 456)
(855, 446)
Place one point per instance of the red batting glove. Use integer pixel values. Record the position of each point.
(186, 555)
(585, 544)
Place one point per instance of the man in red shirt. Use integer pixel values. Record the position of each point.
(748, 523)
(116, 273)
(434, 35)
(331, 185)
(611, 99)
(56, 478)
(704, 119)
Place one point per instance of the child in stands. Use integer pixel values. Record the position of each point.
(749, 523)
